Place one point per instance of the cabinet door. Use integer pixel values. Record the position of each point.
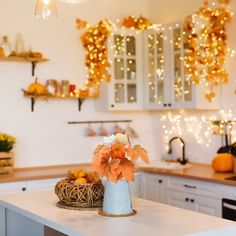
(177, 199)
(135, 186)
(125, 89)
(13, 187)
(155, 76)
(205, 205)
(209, 206)
(180, 82)
(167, 80)
(42, 184)
(154, 188)
(184, 94)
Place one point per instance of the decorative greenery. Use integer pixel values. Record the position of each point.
(6, 142)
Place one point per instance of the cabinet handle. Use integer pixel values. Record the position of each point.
(186, 199)
(112, 105)
(23, 189)
(165, 105)
(192, 200)
(190, 186)
(160, 181)
(169, 104)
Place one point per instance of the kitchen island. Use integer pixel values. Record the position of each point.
(30, 213)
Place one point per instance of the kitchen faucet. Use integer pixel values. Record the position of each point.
(182, 160)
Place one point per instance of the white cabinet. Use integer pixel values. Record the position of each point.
(155, 80)
(199, 196)
(209, 206)
(21, 186)
(154, 187)
(194, 195)
(42, 184)
(135, 188)
(166, 80)
(125, 91)
(13, 187)
(206, 205)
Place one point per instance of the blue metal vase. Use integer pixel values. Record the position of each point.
(117, 198)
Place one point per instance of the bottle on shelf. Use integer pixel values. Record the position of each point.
(19, 44)
(6, 46)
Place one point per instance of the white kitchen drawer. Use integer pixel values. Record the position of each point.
(193, 186)
(42, 184)
(13, 187)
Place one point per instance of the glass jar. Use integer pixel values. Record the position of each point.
(6, 46)
(19, 46)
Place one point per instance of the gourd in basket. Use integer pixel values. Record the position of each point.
(81, 189)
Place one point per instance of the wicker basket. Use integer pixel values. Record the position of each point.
(80, 195)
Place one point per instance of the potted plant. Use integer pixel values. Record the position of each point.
(6, 142)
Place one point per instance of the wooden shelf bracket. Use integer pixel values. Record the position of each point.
(80, 102)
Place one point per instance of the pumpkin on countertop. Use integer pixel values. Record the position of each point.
(223, 162)
(36, 88)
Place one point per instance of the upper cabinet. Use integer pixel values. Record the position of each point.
(148, 72)
(166, 81)
(125, 91)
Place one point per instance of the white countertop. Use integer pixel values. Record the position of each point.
(152, 218)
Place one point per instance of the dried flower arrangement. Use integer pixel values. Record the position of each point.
(114, 158)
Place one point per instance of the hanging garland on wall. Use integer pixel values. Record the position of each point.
(94, 41)
(207, 39)
(140, 23)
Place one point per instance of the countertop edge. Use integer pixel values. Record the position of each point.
(198, 171)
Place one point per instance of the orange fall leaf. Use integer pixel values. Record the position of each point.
(127, 168)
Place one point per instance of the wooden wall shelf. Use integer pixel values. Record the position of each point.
(46, 97)
(31, 60)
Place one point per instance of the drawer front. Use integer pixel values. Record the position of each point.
(42, 184)
(13, 187)
(192, 186)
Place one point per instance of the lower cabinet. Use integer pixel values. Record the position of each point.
(21, 186)
(198, 196)
(135, 186)
(196, 203)
(209, 206)
(42, 184)
(154, 187)
(13, 187)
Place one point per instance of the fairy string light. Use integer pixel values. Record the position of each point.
(207, 39)
(199, 129)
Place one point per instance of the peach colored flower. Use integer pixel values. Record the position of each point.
(118, 150)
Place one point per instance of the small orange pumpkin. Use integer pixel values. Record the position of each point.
(223, 162)
(2, 54)
(83, 93)
(129, 22)
(37, 88)
(118, 150)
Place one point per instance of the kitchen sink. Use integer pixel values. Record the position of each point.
(165, 165)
